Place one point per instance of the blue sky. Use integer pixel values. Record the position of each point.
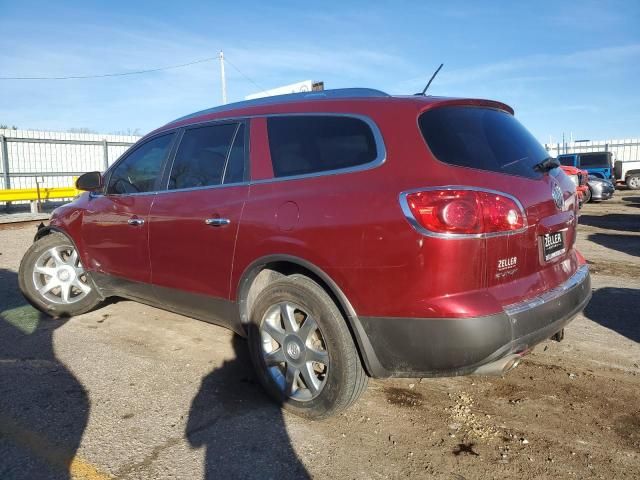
(564, 66)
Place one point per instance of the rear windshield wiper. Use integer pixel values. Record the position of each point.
(547, 164)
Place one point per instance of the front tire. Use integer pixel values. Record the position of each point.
(52, 278)
(302, 350)
(587, 195)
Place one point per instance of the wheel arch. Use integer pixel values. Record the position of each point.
(269, 268)
(44, 230)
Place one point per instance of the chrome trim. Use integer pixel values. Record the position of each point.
(550, 295)
(217, 222)
(402, 198)
(136, 222)
(380, 159)
(205, 187)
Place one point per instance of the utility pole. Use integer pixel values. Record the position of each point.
(223, 80)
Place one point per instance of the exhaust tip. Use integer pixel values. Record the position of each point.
(499, 367)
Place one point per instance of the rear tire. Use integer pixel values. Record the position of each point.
(54, 281)
(587, 195)
(302, 350)
(633, 182)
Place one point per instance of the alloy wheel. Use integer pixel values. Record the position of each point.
(294, 351)
(59, 277)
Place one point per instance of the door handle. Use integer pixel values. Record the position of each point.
(136, 222)
(217, 222)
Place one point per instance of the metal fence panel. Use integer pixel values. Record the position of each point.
(624, 150)
(55, 157)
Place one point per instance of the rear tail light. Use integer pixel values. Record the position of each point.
(464, 211)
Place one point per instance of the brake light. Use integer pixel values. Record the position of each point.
(464, 211)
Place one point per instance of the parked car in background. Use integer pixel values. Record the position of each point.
(597, 164)
(599, 189)
(579, 179)
(628, 171)
(347, 233)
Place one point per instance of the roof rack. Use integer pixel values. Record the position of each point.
(292, 97)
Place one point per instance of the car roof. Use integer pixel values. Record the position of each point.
(314, 101)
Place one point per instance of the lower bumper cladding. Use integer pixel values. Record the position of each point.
(489, 345)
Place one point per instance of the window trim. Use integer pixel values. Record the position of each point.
(380, 159)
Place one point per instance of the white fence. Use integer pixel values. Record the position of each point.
(55, 157)
(625, 150)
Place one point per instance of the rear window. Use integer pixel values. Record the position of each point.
(595, 160)
(481, 138)
(302, 144)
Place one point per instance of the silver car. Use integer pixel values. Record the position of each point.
(599, 189)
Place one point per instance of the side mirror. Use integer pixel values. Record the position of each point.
(89, 182)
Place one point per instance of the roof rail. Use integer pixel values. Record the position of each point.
(292, 97)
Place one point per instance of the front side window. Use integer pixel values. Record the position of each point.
(139, 171)
(303, 144)
(202, 157)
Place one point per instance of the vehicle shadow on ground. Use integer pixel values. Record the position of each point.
(612, 221)
(623, 243)
(43, 407)
(631, 201)
(616, 309)
(242, 431)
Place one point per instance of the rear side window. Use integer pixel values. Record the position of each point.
(302, 144)
(202, 157)
(482, 138)
(595, 160)
(567, 161)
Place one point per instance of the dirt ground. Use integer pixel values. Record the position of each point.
(129, 391)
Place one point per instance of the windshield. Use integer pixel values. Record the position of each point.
(482, 138)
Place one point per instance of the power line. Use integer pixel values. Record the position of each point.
(121, 74)
(226, 60)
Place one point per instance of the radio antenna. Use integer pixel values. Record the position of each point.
(431, 80)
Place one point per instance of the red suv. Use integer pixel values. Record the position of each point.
(347, 233)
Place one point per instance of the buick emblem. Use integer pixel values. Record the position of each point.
(558, 198)
(293, 350)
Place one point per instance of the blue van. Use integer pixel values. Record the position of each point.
(598, 164)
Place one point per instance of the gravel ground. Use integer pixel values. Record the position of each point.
(129, 391)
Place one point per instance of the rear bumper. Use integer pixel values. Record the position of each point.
(419, 347)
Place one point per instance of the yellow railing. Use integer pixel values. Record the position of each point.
(32, 194)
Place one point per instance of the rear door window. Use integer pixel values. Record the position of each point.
(482, 138)
(203, 156)
(304, 144)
